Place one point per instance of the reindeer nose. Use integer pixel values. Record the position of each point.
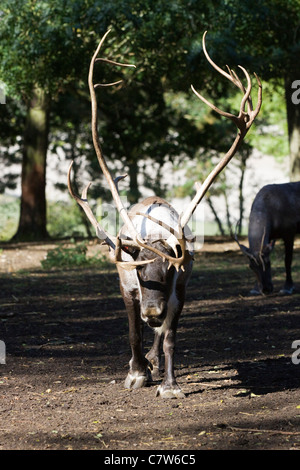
(152, 312)
(154, 309)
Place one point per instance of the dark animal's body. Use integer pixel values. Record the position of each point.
(275, 214)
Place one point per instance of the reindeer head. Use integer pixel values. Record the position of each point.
(259, 263)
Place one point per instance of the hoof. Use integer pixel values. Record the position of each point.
(286, 291)
(169, 392)
(135, 380)
(155, 374)
(255, 292)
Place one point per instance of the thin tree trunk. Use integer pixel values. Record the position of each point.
(134, 193)
(219, 223)
(32, 222)
(293, 118)
(229, 225)
(84, 219)
(245, 156)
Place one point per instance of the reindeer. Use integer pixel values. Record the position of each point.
(153, 250)
(275, 214)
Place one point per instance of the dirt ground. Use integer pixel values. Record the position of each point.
(67, 354)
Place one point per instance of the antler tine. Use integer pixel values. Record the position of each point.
(260, 254)
(162, 224)
(246, 96)
(235, 78)
(83, 202)
(214, 65)
(85, 190)
(128, 265)
(107, 84)
(119, 178)
(109, 61)
(214, 107)
(113, 62)
(254, 113)
(242, 88)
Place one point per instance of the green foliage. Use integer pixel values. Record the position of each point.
(9, 215)
(263, 33)
(270, 132)
(154, 114)
(41, 44)
(64, 220)
(70, 257)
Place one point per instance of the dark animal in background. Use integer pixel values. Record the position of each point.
(153, 251)
(275, 214)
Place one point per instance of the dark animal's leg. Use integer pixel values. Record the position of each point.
(138, 374)
(289, 285)
(153, 356)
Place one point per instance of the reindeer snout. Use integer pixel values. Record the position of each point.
(154, 310)
(154, 314)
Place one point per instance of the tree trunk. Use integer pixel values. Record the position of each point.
(32, 222)
(85, 221)
(134, 193)
(244, 157)
(219, 223)
(293, 118)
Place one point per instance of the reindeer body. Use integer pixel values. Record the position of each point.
(275, 214)
(153, 251)
(155, 295)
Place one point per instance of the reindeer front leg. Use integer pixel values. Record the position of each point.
(139, 373)
(169, 387)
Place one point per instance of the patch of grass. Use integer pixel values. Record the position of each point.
(69, 257)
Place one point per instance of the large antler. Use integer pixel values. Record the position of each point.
(243, 122)
(113, 188)
(112, 241)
